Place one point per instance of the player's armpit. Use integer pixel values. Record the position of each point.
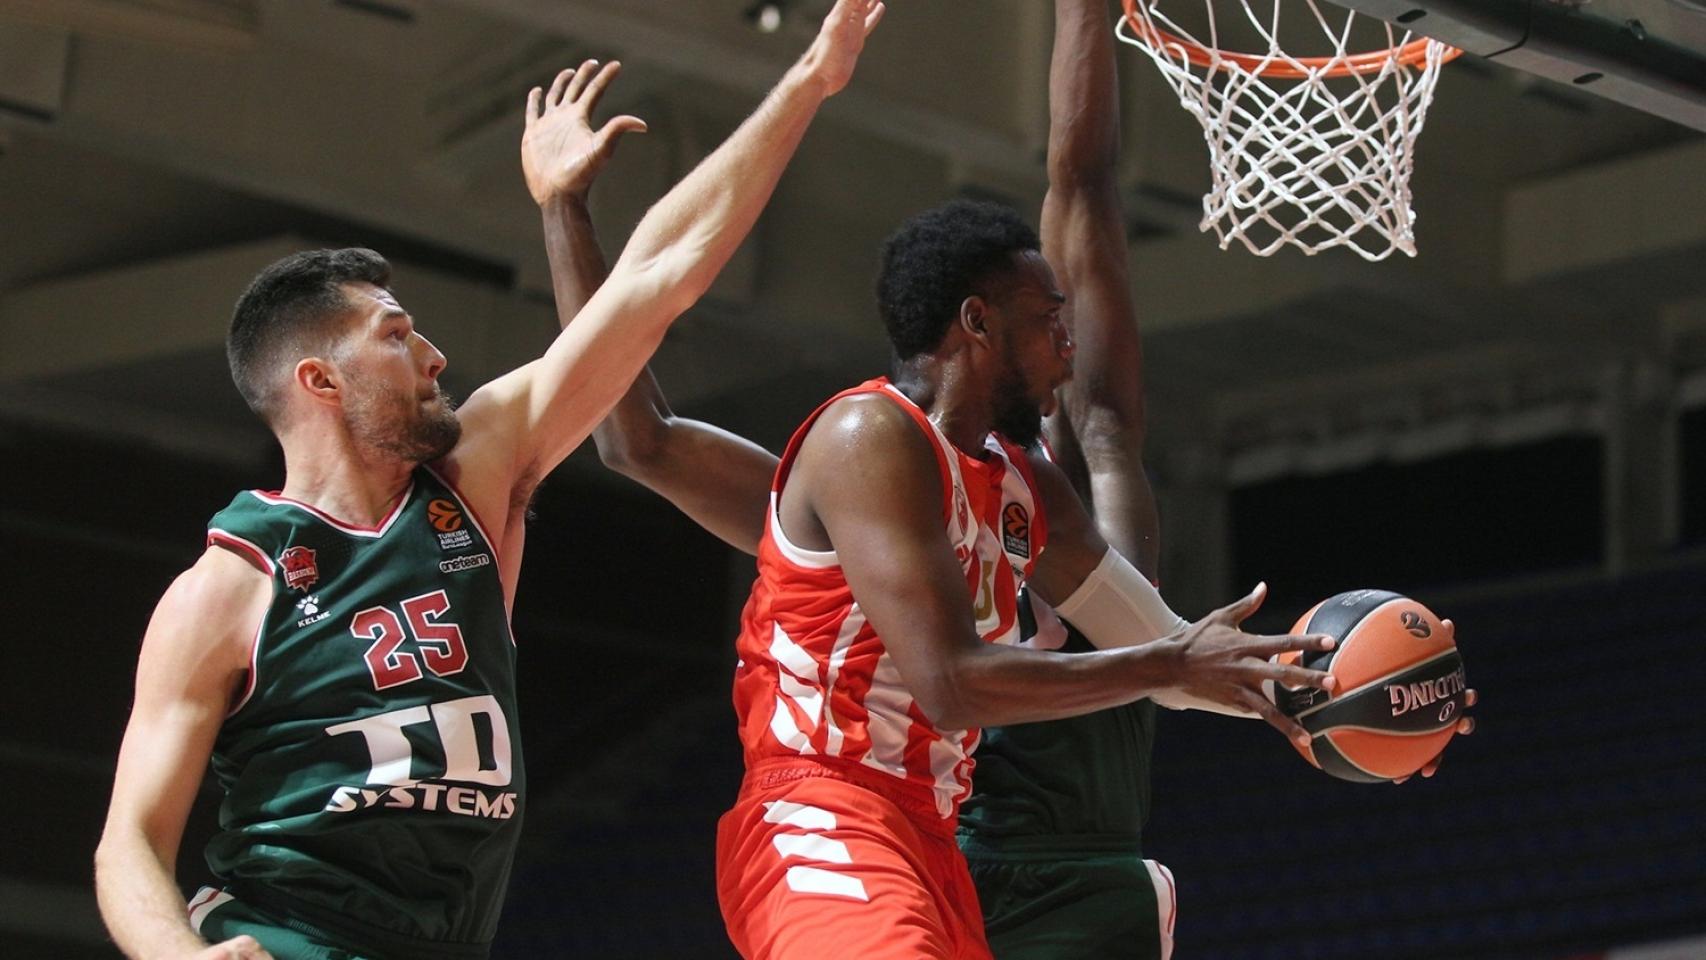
(193, 661)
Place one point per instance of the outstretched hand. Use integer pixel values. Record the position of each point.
(835, 52)
(561, 154)
(1220, 663)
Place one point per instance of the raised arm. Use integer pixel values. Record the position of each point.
(523, 424)
(1098, 439)
(719, 479)
(867, 482)
(193, 657)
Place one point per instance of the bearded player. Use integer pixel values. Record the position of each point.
(1053, 824)
(341, 651)
(891, 541)
(880, 634)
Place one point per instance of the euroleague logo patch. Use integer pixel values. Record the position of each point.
(300, 570)
(1016, 530)
(446, 518)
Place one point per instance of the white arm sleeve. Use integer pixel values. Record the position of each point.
(1116, 607)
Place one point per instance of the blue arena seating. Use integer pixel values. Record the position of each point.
(1573, 820)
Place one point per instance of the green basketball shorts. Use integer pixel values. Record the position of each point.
(217, 916)
(1042, 907)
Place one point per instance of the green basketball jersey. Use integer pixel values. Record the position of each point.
(372, 769)
(1078, 784)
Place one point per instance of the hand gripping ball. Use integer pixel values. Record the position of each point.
(1400, 692)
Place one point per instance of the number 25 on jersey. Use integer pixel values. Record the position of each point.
(438, 643)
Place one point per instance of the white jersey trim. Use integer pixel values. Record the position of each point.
(229, 541)
(205, 901)
(374, 533)
(797, 555)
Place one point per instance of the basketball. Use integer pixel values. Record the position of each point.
(1400, 686)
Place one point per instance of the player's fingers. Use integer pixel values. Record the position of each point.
(1288, 727)
(1466, 726)
(583, 76)
(534, 98)
(1267, 645)
(873, 18)
(599, 82)
(1450, 628)
(1470, 698)
(555, 96)
(1237, 610)
(613, 131)
(1295, 676)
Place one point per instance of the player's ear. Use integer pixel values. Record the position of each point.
(974, 318)
(318, 378)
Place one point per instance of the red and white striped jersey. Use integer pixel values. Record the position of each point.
(815, 679)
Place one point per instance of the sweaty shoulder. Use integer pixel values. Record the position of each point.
(863, 450)
(869, 421)
(868, 434)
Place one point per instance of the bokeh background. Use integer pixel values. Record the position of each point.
(1510, 427)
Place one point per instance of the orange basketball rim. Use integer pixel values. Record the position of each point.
(1267, 65)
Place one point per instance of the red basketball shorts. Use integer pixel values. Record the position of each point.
(813, 866)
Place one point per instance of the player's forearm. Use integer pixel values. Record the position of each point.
(571, 248)
(1084, 133)
(140, 901)
(1126, 514)
(687, 238)
(1083, 231)
(633, 431)
(720, 480)
(996, 685)
(1084, 234)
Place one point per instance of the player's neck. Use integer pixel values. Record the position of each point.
(333, 476)
(952, 396)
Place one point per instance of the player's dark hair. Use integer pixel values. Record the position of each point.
(938, 259)
(290, 310)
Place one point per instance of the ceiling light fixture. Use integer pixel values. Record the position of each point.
(765, 15)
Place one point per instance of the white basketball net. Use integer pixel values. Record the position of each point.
(1315, 162)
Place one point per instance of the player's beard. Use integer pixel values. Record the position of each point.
(386, 419)
(1017, 416)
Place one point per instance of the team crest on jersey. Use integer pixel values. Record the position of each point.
(962, 509)
(300, 570)
(1016, 530)
(446, 517)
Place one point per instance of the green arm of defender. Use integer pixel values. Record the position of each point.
(719, 479)
(1098, 439)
